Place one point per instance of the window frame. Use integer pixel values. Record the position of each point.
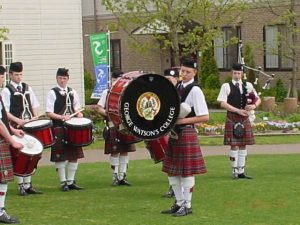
(279, 55)
(112, 57)
(226, 51)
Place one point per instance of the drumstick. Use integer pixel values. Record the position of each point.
(75, 113)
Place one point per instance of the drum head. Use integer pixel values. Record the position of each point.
(149, 106)
(75, 121)
(37, 124)
(32, 146)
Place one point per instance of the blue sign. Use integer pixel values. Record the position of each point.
(102, 80)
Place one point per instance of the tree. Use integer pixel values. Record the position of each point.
(3, 31)
(288, 18)
(209, 74)
(193, 24)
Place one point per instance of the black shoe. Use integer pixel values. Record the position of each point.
(64, 186)
(22, 190)
(5, 218)
(183, 211)
(32, 190)
(169, 193)
(243, 176)
(74, 186)
(123, 182)
(174, 208)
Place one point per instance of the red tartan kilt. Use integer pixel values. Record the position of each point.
(113, 147)
(6, 168)
(230, 139)
(184, 156)
(61, 151)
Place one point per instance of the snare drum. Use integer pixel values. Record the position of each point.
(25, 160)
(144, 105)
(78, 131)
(41, 129)
(157, 148)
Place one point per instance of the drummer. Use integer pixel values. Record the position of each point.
(14, 96)
(58, 109)
(118, 151)
(6, 166)
(184, 157)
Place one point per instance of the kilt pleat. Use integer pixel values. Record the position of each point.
(184, 156)
(61, 151)
(112, 146)
(6, 166)
(230, 139)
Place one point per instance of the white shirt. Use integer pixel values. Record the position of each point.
(225, 90)
(51, 98)
(6, 96)
(196, 99)
(102, 101)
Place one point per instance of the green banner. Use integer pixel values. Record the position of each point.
(99, 48)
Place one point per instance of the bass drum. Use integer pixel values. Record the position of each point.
(145, 105)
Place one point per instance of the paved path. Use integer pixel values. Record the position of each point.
(142, 153)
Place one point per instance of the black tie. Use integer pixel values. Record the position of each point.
(180, 89)
(19, 89)
(238, 86)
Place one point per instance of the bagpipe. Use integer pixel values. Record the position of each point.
(257, 72)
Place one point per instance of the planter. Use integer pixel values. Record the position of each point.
(268, 103)
(290, 105)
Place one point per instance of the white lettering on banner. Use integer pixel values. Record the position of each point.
(97, 45)
(127, 115)
(169, 120)
(147, 133)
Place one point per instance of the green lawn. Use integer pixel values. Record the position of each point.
(271, 198)
(218, 140)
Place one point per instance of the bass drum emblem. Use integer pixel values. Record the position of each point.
(148, 105)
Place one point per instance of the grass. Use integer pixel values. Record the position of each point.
(271, 198)
(218, 140)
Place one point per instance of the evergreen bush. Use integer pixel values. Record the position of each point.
(209, 73)
(88, 89)
(280, 90)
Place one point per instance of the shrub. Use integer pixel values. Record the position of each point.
(249, 61)
(212, 82)
(88, 86)
(91, 113)
(211, 96)
(293, 118)
(280, 90)
(209, 69)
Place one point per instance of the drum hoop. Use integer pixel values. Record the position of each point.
(39, 127)
(38, 141)
(68, 124)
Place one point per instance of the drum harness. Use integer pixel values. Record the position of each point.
(183, 94)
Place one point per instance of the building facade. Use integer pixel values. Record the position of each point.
(44, 35)
(255, 27)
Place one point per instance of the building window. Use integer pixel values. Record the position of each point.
(277, 53)
(6, 55)
(225, 53)
(115, 54)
